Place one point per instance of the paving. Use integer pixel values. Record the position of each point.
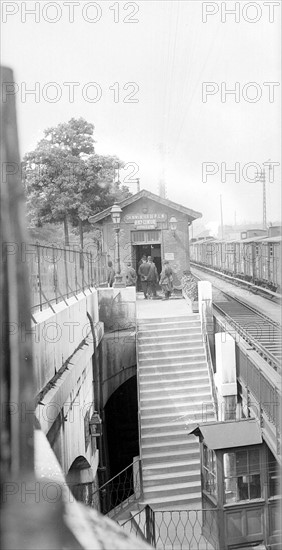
(173, 307)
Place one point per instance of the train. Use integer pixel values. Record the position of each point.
(256, 259)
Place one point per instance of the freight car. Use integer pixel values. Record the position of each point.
(256, 260)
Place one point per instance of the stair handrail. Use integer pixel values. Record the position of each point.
(208, 356)
(102, 490)
(138, 403)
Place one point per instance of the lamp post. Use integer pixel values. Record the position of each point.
(115, 213)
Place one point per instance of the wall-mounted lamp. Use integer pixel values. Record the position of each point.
(173, 225)
(95, 425)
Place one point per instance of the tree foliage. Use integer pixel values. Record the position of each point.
(66, 180)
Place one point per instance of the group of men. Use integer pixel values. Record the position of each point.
(148, 275)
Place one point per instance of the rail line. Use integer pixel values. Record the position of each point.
(262, 333)
(260, 290)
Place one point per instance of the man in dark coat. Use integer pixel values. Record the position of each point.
(153, 278)
(143, 273)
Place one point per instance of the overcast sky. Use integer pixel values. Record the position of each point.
(167, 51)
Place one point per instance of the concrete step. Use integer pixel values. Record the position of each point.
(153, 402)
(167, 347)
(168, 320)
(168, 456)
(165, 435)
(172, 360)
(167, 444)
(156, 426)
(161, 352)
(172, 478)
(173, 385)
(171, 468)
(189, 417)
(147, 409)
(161, 332)
(173, 373)
(175, 489)
(172, 338)
(193, 500)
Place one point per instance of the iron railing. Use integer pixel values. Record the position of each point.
(121, 490)
(205, 307)
(57, 273)
(175, 529)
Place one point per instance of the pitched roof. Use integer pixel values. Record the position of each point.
(228, 434)
(148, 195)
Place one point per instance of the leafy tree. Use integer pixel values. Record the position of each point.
(66, 181)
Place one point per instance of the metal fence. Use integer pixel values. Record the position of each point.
(57, 273)
(121, 490)
(175, 529)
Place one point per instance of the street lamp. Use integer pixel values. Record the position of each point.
(115, 213)
(173, 225)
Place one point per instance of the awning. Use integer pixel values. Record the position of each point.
(224, 435)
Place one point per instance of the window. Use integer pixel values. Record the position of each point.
(271, 250)
(242, 475)
(273, 475)
(209, 471)
(145, 236)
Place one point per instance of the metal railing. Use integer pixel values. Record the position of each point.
(205, 307)
(121, 490)
(175, 529)
(56, 273)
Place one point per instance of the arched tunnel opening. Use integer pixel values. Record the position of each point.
(121, 416)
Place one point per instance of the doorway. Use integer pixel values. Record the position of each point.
(153, 250)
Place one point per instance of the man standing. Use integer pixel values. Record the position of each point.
(110, 274)
(143, 273)
(130, 275)
(153, 278)
(166, 280)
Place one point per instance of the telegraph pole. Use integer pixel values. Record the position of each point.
(261, 177)
(221, 217)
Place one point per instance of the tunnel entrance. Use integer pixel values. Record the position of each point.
(121, 415)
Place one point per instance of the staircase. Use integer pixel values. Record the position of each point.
(175, 394)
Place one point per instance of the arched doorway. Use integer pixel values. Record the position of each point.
(80, 480)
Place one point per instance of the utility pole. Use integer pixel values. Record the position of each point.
(221, 217)
(261, 177)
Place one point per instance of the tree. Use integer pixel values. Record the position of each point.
(66, 181)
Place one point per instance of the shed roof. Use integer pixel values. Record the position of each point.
(224, 435)
(192, 214)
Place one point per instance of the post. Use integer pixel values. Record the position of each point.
(118, 278)
(188, 248)
(39, 274)
(66, 272)
(221, 217)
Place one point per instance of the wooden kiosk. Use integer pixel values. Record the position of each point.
(240, 494)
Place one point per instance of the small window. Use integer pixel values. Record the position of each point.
(209, 471)
(271, 250)
(242, 475)
(273, 475)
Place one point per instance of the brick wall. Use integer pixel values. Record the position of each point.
(173, 244)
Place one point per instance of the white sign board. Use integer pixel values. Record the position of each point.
(169, 256)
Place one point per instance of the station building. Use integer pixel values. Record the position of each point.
(150, 225)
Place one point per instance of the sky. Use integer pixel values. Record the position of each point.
(152, 77)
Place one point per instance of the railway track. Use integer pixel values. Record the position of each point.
(262, 333)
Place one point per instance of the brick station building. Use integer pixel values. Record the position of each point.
(150, 225)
